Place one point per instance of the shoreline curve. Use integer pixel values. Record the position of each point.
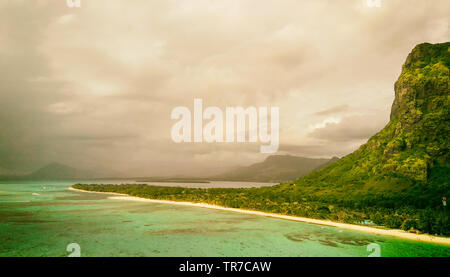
(359, 228)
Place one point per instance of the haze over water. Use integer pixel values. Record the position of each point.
(41, 222)
(193, 184)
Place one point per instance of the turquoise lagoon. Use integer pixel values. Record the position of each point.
(43, 218)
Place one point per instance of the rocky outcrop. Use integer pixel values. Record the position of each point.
(415, 143)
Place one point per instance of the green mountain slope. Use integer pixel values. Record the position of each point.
(276, 168)
(409, 158)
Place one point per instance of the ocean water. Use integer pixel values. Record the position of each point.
(43, 218)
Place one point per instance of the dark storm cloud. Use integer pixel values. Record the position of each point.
(21, 99)
(93, 87)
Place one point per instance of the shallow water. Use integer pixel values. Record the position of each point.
(44, 224)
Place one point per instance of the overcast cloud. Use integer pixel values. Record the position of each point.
(93, 87)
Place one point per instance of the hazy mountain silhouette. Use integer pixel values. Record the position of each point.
(57, 171)
(276, 168)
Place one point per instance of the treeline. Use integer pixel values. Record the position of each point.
(390, 210)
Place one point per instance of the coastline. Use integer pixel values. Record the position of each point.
(359, 228)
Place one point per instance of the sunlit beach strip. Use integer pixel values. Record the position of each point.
(353, 227)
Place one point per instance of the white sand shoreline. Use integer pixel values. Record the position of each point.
(366, 229)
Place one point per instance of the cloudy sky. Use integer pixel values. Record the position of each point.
(93, 87)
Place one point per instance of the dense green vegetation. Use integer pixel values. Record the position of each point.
(397, 179)
(290, 200)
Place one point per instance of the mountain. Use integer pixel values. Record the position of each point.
(276, 168)
(406, 163)
(57, 171)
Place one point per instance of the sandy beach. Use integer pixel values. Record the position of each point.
(359, 228)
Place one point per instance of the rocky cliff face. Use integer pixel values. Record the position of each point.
(415, 143)
(416, 138)
(425, 76)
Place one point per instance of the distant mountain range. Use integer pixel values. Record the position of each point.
(276, 169)
(57, 171)
(53, 171)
